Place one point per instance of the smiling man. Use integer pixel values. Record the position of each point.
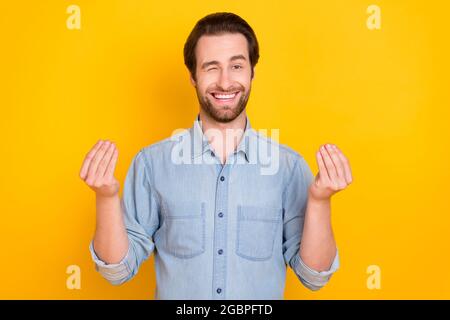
(218, 226)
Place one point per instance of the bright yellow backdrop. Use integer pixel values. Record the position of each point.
(381, 95)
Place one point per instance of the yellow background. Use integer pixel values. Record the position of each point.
(381, 95)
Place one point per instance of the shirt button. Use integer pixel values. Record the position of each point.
(220, 251)
(219, 290)
(222, 178)
(220, 214)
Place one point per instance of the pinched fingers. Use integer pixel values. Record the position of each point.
(346, 166)
(88, 159)
(333, 152)
(112, 164)
(96, 160)
(103, 165)
(331, 169)
(337, 166)
(323, 173)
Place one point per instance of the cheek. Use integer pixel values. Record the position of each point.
(205, 81)
(244, 78)
(246, 82)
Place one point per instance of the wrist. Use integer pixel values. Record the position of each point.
(106, 201)
(319, 208)
(318, 201)
(106, 198)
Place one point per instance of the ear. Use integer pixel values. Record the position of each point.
(193, 82)
(253, 76)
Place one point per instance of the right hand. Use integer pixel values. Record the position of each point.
(98, 169)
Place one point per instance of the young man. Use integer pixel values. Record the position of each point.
(220, 227)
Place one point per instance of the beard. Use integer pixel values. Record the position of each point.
(223, 113)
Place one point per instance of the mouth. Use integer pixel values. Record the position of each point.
(221, 97)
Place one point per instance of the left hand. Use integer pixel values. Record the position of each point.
(334, 173)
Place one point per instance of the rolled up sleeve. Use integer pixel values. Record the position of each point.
(313, 279)
(141, 219)
(295, 197)
(115, 273)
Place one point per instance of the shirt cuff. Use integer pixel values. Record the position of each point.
(311, 278)
(114, 272)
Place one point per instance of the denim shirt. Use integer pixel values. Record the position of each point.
(217, 231)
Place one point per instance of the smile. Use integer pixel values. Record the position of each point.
(225, 97)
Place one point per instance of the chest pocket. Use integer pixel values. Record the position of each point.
(184, 234)
(256, 231)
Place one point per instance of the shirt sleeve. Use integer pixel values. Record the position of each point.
(141, 218)
(295, 197)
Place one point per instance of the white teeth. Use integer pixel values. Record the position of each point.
(225, 96)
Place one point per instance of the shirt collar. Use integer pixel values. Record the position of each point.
(201, 145)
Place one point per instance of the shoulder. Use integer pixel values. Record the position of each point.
(287, 155)
(162, 148)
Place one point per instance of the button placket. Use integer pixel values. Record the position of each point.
(220, 234)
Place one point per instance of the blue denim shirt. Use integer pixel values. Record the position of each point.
(218, 231)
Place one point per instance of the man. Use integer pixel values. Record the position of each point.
(219, 226)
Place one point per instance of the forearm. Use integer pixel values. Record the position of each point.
(110, 239)
(318, 246)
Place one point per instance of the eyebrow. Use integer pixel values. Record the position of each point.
(215, 62)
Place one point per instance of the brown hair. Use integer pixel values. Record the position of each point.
(215, 24)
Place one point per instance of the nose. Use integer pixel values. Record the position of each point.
(224, 80)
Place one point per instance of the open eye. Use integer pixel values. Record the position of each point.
(237, 66)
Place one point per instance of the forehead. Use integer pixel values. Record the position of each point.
(221, 47)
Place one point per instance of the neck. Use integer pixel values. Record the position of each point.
(223, 137)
